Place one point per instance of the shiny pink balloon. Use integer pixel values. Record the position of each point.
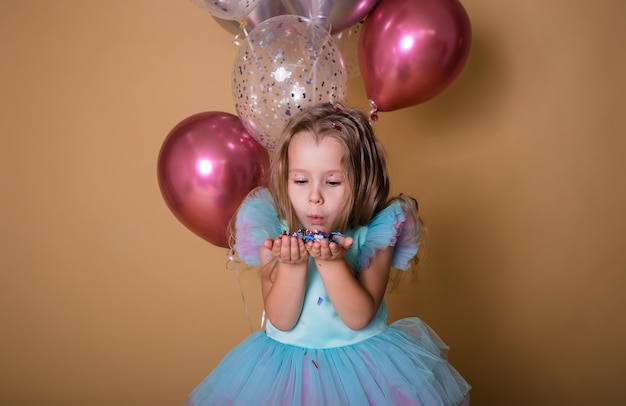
(412, 50)
(207, 165)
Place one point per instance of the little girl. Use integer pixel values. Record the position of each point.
(325, 235)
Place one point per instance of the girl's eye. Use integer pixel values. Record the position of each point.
(334, 183)
(299, 181)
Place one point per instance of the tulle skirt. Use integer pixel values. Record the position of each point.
(406, 364)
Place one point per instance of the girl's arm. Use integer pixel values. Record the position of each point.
(283, 280)
(356, 299)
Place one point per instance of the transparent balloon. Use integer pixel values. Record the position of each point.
(348, 41)
(286, 64)
(334, 15)
(264, 10)
(228, 9)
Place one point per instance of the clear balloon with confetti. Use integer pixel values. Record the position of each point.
(285, 64)
(228, 9)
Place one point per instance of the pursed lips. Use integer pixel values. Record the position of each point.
(314, 219)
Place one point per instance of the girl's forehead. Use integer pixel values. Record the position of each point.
(308, 139)
(308, 151)
(300, 135)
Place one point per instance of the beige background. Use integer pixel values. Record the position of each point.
(106, 299)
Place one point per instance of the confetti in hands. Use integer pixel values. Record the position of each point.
(316, 235)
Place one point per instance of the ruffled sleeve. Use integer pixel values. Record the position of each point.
(256, 221)
(392, 226)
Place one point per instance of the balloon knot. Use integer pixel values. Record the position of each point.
(237, 39)
(232, 261)
(374, 111)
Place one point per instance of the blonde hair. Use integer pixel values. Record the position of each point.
(364, 163)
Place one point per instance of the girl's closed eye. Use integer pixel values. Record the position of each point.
(334, 180)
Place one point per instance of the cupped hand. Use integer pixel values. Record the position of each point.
(329, 251)
(287, 249)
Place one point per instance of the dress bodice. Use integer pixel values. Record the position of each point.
(319, 325)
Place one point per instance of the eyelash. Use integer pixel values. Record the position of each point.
(304, 181)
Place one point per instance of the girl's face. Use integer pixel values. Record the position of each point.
(317, 185)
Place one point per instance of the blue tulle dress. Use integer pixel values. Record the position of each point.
(321, 361)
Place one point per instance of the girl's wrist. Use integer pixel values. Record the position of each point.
(324, 264)
(293, 266)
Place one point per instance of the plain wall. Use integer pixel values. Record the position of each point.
(106, 299)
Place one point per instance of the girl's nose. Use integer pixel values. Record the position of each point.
(315, 197)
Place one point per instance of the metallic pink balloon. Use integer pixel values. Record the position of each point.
(207, 165)
(412, 50)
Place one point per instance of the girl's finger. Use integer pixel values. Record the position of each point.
(294, 249)
(276, 247)
(302, 249)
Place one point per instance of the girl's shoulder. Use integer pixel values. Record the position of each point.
(396, 225)
(255, 221)
(259, 199)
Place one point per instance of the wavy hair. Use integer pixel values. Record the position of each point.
(364, 163)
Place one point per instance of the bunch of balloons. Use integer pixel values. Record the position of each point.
(293, 54)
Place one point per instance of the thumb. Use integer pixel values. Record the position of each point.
(345, 242)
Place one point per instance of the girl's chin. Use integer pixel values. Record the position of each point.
(313, 224)
(315, 227)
